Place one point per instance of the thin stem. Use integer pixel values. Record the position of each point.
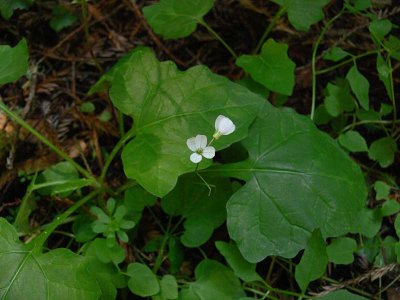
(392, 97)
(219, 38)
(313, 61)
(41, 239)
(44, 140)
(130, 134)
(381, 122)
(270, 26)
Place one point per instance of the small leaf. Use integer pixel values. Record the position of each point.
(389, 208)
(342, 295)
(135, 200)
(353, 141)
(106, 252)
(213, 281)
(169, 287)
(87, 107)
(340, 250)
(338, 98)
(385, 109)
(7, 7)
(313, 262)
(397, 225)
(335, 54)
(61, 18)
(382, 190)
(383, 151)
(272, 67)
(303, 13)
(176, 18)
(241, 267)
(359, 85)
(384, 74)
(142, 280)
(13, 61)
(379, 28)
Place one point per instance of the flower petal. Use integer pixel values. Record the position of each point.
(209, 152)
(224, 125)
(191, 143)
(218, 121)
(196, 158)
(201, 141)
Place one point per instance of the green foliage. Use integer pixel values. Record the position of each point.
(169, 287)
(338, 99)
(7, 7)
(264, 217)
(382, 190)
(62, 18)
(30, 275)
(360, 86)
(142, 280)
(168, 107)
(383, 151)
(303, 13)
(272, 67)
(336, 54)
(176, 18)
(353, 141)
(342, 295)
(13, 61)
(340, 250)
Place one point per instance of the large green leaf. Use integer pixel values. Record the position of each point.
(272, 67)
(176, 18)
(214, 281)
(203, 209)
(298, 179)
(303, 13)
(58, 274)
(13, 62)
(168, 107)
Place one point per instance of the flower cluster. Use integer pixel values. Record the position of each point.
(198, 144)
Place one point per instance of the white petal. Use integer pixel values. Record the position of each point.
(191, 143)
(209, 152)
(224, 125)
(201, 141)
(196, 158)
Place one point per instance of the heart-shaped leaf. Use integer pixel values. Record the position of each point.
(58, 274)
(298, 179)
(168, 107)
(176, 18)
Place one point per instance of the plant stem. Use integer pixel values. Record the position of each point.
(219, 38)
(313, 61)
(41, 239)
(130, 134)
(270, 26)
(392, 97)
(44, 140)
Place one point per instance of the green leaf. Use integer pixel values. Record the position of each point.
(142, 280)
(28, 275)
(169, 287)
(303, 13)
(353, 141)
(388, 252)
(397, 225)
(168, 107)
(360, 86)
(7, 7)
(313, 262)
(241, 267)
(82, 228)
(176, 18)
(135, 200)
(383, 150)
(176, 254)
(393, 46)
(335, 54)
(204, 210)
(272, 67)
(338, 99)
(87, 107)
(108, 252)
(13, 62)
(327, 189)
(342, 295)
(214, 281)
(382, 190)
(61, 18)
(384, 74)
(340, 250)
(379, 28)
(389, 208)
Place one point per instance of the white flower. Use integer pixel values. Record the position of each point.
(223, 126)
(199, 147)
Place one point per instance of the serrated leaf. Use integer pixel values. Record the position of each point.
(204, 210)
(342, 295)
(168, 107)
(213, 281)
(353, 141)
(142, 280)
(383, 151)
(382, 190)
(303, 13)
(272, 67)
(13, 62)
(340, 250)
(313, 262)
(241, 267)
(327, 189)
(7, 7)
(176, 18)
(335, 54)
(28, 275)
(61, 18)
(359, 85)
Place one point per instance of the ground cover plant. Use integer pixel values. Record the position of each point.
(199, 149)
